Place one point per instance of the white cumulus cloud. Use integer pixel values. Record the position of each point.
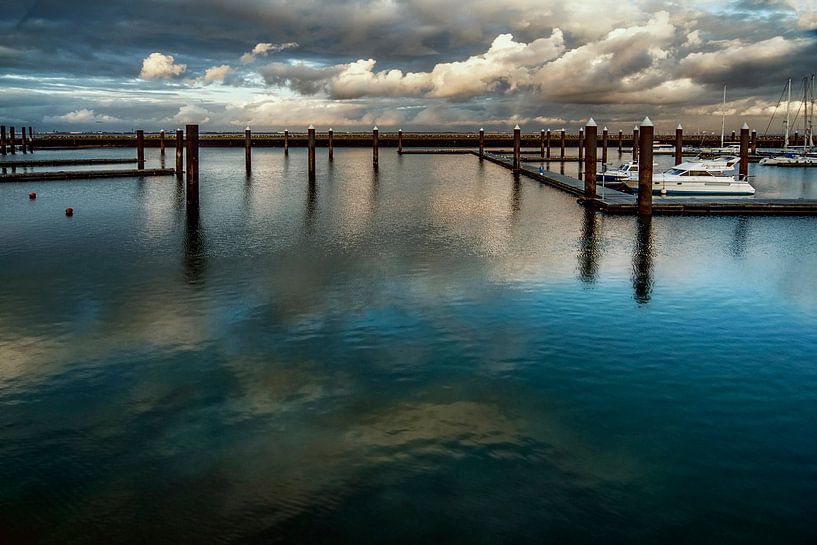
(80, 116)
(160, 66)
(216, 73)
(263, 49)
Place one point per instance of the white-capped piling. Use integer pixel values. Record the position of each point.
(605, 136)
(2, 139)
(754, 142)
(547, 143)
(590, 143)
(517, 149)
(481, 143)
(636, 143)
(31, 140)
(140, 149)
(375, 147)
(192, 169)
(179, 153)
(562, 144)
(310, 145)
(743, 173)
(581, 145)
(679, 144)
(645, 168)
(286, 142)
(542, 143)
(162, 142)
(399, 141)
(620, 139)
(248, 150)
(331, 144)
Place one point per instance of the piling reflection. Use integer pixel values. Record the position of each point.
(739, 238)
(642, 261)
(516, 191)
(589, 252)
(194, 248)
(311, 206)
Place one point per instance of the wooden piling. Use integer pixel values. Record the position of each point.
(796, 137)
(2, 139)
(331, 144)
(310, 144)
(23, 140)
(645, 168)
(192, 166)
(11, 141)
(635, 143)
(542, 143)
(734, 136)
(286, 142)
(517, 149)
(179, 153)
(754, 142)
(162, 142)
(620, 139)
(590, 143)
(562, 144)
(248, 150)
(679, 144)
(743, 173)
(605, 136)
(481, 143)
(375, 147)
(581, 145)
(547, 144)
(140, 149)
(400, 141)
(31, 140)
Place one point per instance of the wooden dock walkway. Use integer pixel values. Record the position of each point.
(85, 174)
(64, 162)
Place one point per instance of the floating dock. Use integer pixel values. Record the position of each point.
(86, 174)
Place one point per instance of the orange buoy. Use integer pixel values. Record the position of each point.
(32, 195)
(69, 211)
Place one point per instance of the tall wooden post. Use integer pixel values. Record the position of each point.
(11, 141)
(605, 135)
(331, 144)
(140, 149)
(31, 140)
(581, 145)
(23, 140)
(590, 143)
(399, 141)
(620, 139)
(192, 166)
(743, 173)
(310, 143)
(179, 153)
(562, 144)
(2, 139)
(645, 168)
(286, 142)
(517, 149)
(754, 142)
(481, 143)
(375, 147)
(542, 143)
(636, 144)
(547, 143)
(734, 135)
(796, 137)
(162, 142)
(679, 144)
(248, 150)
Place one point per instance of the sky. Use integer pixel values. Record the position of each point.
(413, 64)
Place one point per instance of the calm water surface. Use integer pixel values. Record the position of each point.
(433, 354)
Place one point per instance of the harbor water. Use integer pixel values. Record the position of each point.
(432, 353)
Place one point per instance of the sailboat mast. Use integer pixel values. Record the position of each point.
(788, 107)
(723, 115)
(810, 141)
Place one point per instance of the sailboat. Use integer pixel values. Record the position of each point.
(731, 148)
(804, 158)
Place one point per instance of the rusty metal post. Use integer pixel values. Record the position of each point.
(140, 149)
(743, 173)
(331, 144)
(162, 142)
(562, 144)
(605, 136)
(179, 153)
(645, 168)
(286, 142)
(635, 144)
(754, 142)
(31, 140)
(2, 139)
(310, 143)
(192, 166)
(248, 150)
(23, 140)
(679, 144)
(375, 147)
(547, 144)
(517, 149)
(11, 140)
(581, 146)
(590, 143)
(399, 141)
(542, 143)
(481, 143)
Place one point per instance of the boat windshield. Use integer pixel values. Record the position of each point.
(674, 172)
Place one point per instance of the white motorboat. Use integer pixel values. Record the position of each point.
(615, 177)
(790, 160)
(697, 178)
(663, 149)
